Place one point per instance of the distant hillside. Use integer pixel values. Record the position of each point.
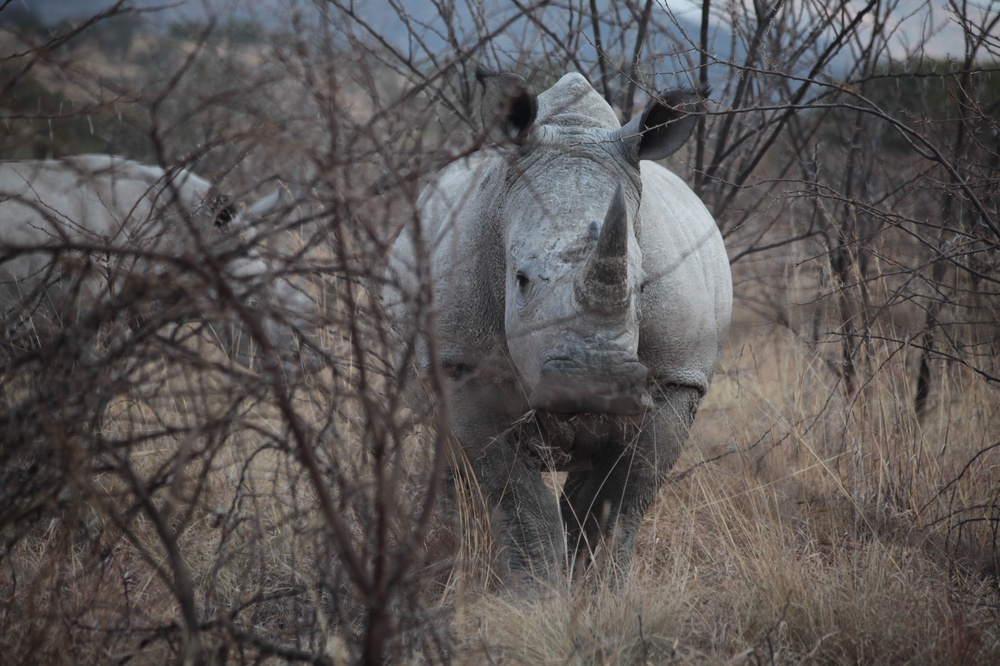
(51, 12)
(48, 12)
(378, 13)
(420, 26)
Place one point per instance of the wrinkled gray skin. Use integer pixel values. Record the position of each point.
(574, 278)
(90, 202)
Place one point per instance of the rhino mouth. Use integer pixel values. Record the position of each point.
(567, 388)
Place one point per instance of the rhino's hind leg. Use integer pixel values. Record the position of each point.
(603, 507)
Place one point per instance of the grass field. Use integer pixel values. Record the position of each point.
(801, 526)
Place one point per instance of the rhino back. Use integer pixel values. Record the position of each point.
(89, 200)
(87, 197)
(687, 303)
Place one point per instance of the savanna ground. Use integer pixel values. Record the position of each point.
(839, 500)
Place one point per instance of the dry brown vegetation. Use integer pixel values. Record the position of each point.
(839, 501)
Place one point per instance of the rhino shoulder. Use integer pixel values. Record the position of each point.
(689, 279)
(460, 185)
(458, 234)
(454, 209)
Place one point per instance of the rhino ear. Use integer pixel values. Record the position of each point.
(509, 105)
(664, 125)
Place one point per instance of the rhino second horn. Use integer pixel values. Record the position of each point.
(604, 284)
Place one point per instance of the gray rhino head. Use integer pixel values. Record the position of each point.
(570, 212)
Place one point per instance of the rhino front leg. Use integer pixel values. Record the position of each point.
(605, 506)
(523, 511)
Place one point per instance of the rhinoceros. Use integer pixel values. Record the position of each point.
(84, 230)
(581, 296)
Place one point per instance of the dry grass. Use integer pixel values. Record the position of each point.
(800, 526)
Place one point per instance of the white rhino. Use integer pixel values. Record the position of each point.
(573, 277)
(90, 231)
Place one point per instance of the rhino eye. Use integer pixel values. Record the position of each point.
(522, 280)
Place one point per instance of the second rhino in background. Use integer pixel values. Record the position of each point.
(98, 231)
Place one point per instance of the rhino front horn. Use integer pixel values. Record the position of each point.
(603, 285)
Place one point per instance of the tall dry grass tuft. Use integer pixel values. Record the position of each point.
(824, 518)
(583, 626)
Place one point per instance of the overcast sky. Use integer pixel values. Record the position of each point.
(915, 18)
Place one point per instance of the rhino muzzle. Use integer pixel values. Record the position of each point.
(567, 389)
